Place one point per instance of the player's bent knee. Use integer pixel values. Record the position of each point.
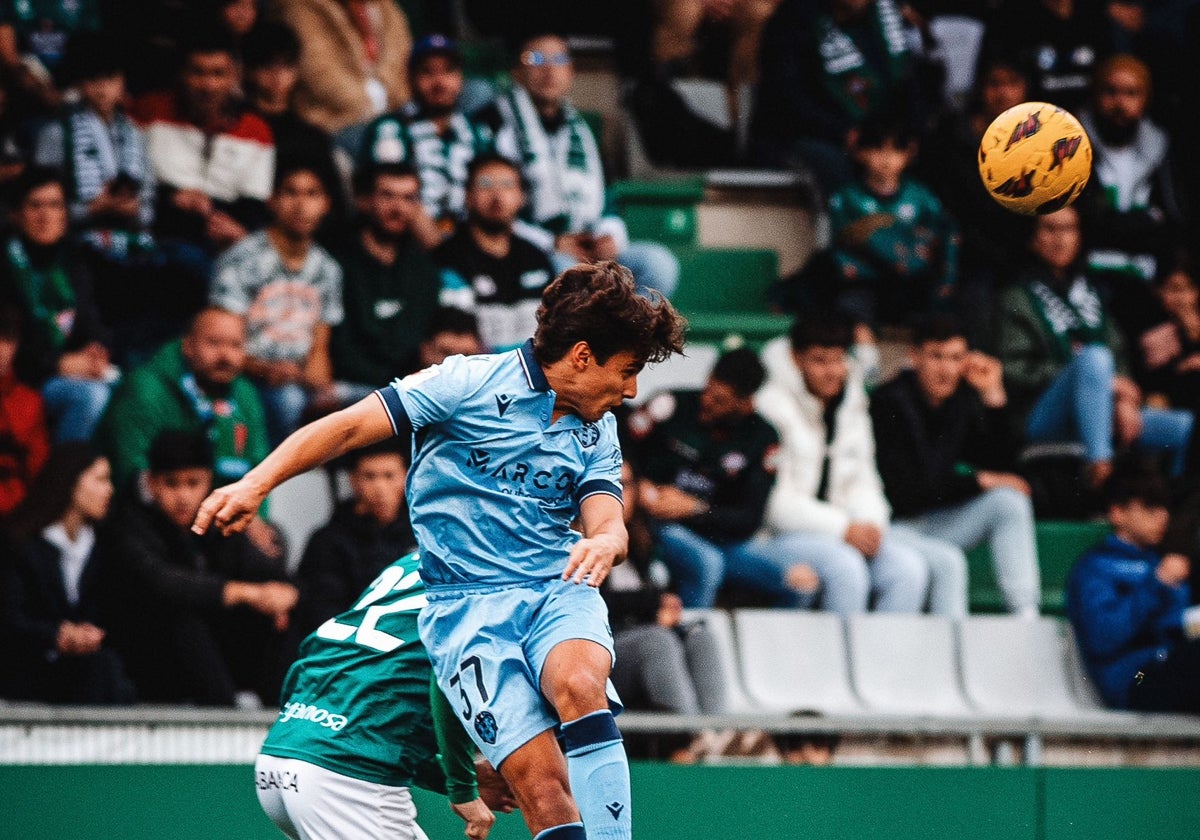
(578, 692)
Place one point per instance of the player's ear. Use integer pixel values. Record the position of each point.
(581, 355)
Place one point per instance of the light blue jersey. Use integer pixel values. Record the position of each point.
(494, 485)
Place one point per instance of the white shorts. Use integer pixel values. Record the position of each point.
(308, 802)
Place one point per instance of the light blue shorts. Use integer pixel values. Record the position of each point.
(488, 646)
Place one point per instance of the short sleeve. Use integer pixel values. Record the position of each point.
(603, 471)
(431, 395)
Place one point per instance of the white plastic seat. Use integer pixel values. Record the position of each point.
(795, 660)
(960, 38)
(905, 664)
(717, 622)
(299, 507)
(1083, 690)
(1015, 667)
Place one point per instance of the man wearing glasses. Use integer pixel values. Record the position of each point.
(489, 270)
(535, 124)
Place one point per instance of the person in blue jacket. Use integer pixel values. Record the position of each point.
(1129, 605)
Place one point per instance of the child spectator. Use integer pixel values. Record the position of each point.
(353, 65)
(895, 247)
(487, 268)
(1129, 604)
(56, 589)
(24, 441)
(366, 534)
(390, 283)
(212, 158)
(452, 332)
(204, 617)
(290, 290)
(1066, 368)
(64, 346)
(535, 124)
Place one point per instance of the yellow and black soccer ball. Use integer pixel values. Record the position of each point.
(1035, 158)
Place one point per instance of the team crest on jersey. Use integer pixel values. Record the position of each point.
(485, 725)
(1031, 126)
(588, 435)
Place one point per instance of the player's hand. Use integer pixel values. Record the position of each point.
(478, 817)
(592, 559)
(230, 508)
(493, 790)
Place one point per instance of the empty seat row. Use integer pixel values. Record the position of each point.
(904, 665)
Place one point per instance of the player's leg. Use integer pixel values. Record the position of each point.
(537, 774)
(574, 679)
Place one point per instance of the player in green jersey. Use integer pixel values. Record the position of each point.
(357, 727)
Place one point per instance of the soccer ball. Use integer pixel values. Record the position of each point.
(1035, 158)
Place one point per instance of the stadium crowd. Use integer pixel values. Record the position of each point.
(222, 219)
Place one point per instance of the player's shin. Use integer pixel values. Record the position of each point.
(599, 773)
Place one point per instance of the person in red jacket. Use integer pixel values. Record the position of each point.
(24, 440)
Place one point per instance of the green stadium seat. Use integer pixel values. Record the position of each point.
(661, 210)
(1059, 545)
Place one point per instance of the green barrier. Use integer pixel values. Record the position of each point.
(217, 802)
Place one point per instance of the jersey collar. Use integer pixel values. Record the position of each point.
(533, 371)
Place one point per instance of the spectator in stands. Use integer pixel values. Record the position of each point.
(204, 616)
(1170, 353)
(353, 65)
(895, 247)
(1062, 354)
(664, 663)
(213, 159)
(452, 332)
(34, 37)
(237, 17)
(55, 589)
(535, 124)
(1131, 206)
(945, 452)
(194, 385)
(993, 238)
(488, 269)
(826, 64)
(390, 286)
(1061, 41)
(24, 440)
(828, 498)
(64, 347)
(1129, 604)
(366, 534)
(290, 290)
(100, 151)
(709, 465)
(432, 135)
(271, 60)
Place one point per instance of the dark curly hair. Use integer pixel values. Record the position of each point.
(599, 303)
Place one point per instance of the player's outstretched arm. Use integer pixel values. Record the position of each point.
(605, 541)
(231, 508)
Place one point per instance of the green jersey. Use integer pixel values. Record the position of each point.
(358, 700)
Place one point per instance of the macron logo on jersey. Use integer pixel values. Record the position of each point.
(503, 401)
